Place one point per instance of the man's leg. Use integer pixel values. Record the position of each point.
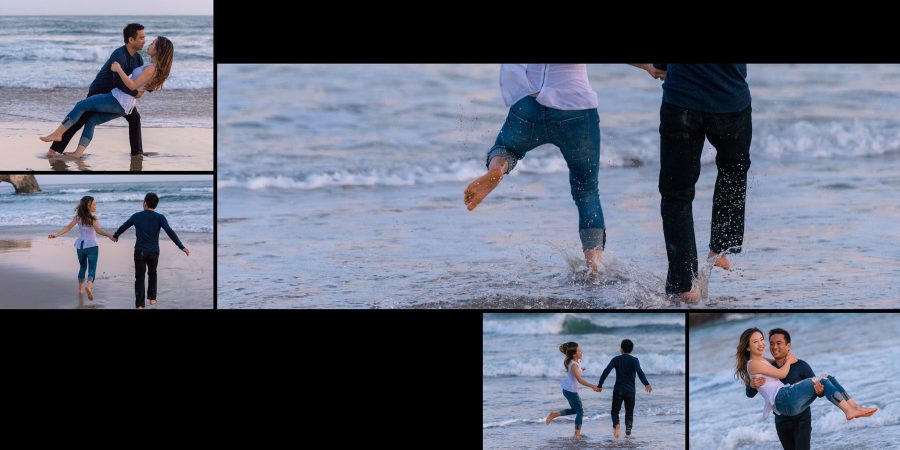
(681, 143)
(139, 267)
(629, 412)
(802, 432)
(134, 132)
(616, 407)
(730, 134)
(152, 260)
(786, 434)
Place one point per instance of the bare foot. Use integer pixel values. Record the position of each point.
(855, 413)
(721, 260)
(593, 257)
(552, 416)
(52, 154)
(868, 411)
(53, 137)
(577, 434)
(80, 287)
(89, 287)
(140, 307)
(618, 432)
(76, 154)
(153, 301)
(480, 188)
(689, 296)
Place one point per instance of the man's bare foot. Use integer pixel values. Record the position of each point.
(480, 188)
(89, 287)
(593, 257)
(52, 154)
(552, 416)
(689, 296)
(617, 432)
(140, 307)
(153, 301)
(721, 260)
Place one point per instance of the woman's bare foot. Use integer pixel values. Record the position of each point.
(89, 287)
(55, 136)
(866, 412)
(720, 260)
(577, 433)
(593, 257)
(480, 188)
(81, 287)
(76, 154)
(552, 416)
(617, 432)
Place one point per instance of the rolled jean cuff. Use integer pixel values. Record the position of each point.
(84, 141)
(67, 122)
(502, 151)
(592, 238)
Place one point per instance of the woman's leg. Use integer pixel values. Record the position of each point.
(577, 134)
(82, 264)
(105, 103)
(836, 394)
(88, 134)
(517, 137)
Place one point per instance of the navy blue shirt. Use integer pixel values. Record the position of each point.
(626, 366)
(711, 88)
(146, 226)
(106, 79)
(799, 371)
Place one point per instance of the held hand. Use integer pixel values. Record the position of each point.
(114, 239)
(648, 388)
(139, 95)
(757, 382)
(820, 389)
(186, 251)
(599, 389)
(115, 67)
(596, 389)
(51, 236)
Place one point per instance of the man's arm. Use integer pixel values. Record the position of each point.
(637, 368)
(804, 372)
(128, 223)
(606, 371)
(121, 56)
(171, 233)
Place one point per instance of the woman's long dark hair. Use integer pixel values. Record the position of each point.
(165, 52)
(742, 355)
(83, 211)
(568, 349)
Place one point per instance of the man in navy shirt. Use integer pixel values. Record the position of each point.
(626, 366)
(128, 57)
(793, 431)
(147, 224)
(702, 101)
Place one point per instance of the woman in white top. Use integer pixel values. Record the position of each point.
(86, 245)
(570, 384)
(552, 104)
(149, 77)
(783, 399)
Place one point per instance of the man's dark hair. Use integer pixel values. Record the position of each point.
(130, 31)
(152, 200)
(627, 346)
(787, 336)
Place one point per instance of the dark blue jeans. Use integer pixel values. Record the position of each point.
(87, 259)
(682, 132)
(575, 407)
(577, 134)
(104, 107)
(792, 400)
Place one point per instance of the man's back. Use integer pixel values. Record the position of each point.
(626, 367)
(147, 224)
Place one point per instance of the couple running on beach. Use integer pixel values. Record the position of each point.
(122, 80)
(147, 224)
(626, 366)
(555, 104)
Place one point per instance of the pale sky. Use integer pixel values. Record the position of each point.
(105, 7)
(88, 179)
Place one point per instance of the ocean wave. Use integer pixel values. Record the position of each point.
(651, 364)
(575, 324)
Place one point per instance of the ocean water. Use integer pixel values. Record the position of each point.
(49, 62)
(522, 367)
(341, 186)
(857, 349)
(188, 205)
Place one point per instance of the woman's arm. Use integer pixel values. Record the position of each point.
(143, 78)
(653, 71)
(577, 371)
(759, 368)
(64, 230)
(100, 230)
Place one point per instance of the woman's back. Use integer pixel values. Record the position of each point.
(87, 236)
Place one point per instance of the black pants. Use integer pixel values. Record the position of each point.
(682, 132)
(144, 261)
(134, 130)
(795, 434)
(628, 397)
